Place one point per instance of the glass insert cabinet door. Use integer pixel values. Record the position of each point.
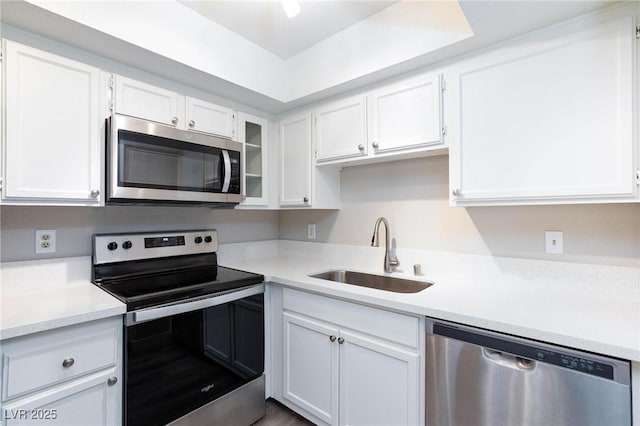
(253, 132)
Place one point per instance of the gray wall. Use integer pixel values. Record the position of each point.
(413, 195)
(75, 225)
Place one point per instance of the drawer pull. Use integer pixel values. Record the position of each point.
(112, 381)
(68, 362)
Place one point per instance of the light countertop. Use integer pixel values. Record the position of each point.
(42, 295)
(590, 307)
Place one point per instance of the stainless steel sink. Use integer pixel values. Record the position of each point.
(380, 282)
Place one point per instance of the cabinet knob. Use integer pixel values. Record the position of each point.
(375, 145)
(456, 192)
(361, 147)
(341, 340)
(332, 338)
(174, 120)
(305, 199)
(95, 193)
(192, 124)
(112, 380)
(68, 362)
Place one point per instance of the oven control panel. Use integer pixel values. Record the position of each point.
(110, 248)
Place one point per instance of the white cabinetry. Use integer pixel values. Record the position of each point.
(548, 118)
(341, 129)
(52, 150)
(348, 364)
(142, 100)
(301, 184)
(254, 133)
(66, 376)
(396, 121)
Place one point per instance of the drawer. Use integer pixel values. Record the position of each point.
(392, 326)
(44, 359)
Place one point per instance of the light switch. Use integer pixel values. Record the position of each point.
(553, 242)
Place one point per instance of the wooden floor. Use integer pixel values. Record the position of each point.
(279, 415)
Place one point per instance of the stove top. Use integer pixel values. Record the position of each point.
(145, 270)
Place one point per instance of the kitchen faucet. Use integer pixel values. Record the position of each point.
(390, 260)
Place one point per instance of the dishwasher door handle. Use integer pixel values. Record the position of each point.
(508, 360)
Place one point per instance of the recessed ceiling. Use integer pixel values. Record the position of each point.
(266, 24)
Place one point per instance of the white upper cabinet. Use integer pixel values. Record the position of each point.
(548, 118)
(209, 118)
(295, 150)
(142, 100)
(53, 120)
(301, 183)
(396, 121)
(341, 129)
(407, 114)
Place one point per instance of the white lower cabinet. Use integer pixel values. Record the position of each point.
(338, 370)
(66, 376)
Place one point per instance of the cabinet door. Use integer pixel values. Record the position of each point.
(92, 400)
(378, 382)
(53, 141)
(209, 118)
(142, 100)
(341, 129)
(253, 132)
(310, 366)
(549, 118)
(295, 137)
(407, 114)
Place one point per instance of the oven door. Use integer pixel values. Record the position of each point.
(151, 162)
(181, 358)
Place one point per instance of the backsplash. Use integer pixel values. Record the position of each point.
(75, 226)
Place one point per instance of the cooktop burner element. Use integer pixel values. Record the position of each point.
(150, 269)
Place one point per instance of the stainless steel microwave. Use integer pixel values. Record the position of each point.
(149, 163)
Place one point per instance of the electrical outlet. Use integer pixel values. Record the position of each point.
(553, 242)
(45, 241)
(311, 231)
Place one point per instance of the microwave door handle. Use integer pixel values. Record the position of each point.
(227, 170)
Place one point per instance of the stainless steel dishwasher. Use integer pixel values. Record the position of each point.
(477, 377)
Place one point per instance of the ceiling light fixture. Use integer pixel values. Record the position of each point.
(291, 7)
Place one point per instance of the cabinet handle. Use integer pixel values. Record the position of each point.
(192, 124)
(361, 147)
(112, 381)
(455, 192)
(174, 120)
(332, 338)
(68, 362)
(341, 340)
(95, 193)
(305, 199)
(375, 145)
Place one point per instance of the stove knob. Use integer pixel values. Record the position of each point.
(127, 245)
(198, 240)
(208, 239)
(112, 246)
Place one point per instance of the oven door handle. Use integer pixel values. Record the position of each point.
(180, 308)
(227, 170)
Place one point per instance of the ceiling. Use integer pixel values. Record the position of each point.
(266, 24)
(249, 53)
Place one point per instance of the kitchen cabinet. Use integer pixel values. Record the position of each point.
(337, 356)
(142, 100)
(341, 129)
(253, 132)
(547, 118)
(399, 120)
(65, 376)
(302, 184)
(54, 126)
